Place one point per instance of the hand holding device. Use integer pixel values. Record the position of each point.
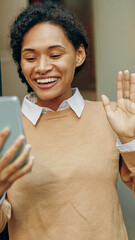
(14, 151)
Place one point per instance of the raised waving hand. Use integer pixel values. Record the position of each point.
(122, 119)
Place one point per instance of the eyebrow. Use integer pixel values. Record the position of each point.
(51, 47)
(28, 49)
(56, 46)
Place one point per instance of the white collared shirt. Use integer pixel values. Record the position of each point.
(32, 111)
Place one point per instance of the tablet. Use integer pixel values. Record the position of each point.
(10, 116)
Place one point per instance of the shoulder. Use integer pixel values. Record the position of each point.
(95, 114)
(93, 107)
(96, 106)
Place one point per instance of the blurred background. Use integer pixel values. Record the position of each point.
(110, 27)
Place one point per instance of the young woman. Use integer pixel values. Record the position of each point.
(71, 192)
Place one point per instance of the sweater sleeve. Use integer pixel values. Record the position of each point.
(127, 169)
(5, 214)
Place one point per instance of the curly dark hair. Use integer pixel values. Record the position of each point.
(47, 12)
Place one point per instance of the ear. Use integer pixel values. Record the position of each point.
(80, 55)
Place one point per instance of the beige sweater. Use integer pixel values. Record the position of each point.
(71, 192)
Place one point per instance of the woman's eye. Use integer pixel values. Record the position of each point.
(30, 59)
(56, 55)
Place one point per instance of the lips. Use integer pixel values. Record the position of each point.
(47, 82)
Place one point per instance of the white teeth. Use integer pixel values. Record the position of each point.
(48, 80)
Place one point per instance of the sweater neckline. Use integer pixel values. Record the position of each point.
(58, 114)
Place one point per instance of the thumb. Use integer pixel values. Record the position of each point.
(106, 105)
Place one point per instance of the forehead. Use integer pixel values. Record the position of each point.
(45, 34)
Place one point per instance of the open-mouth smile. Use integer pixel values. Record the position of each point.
(47, 82)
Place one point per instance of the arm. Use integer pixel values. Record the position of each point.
(127, 170)
(122, 121)
(5, 214)
(10, 173)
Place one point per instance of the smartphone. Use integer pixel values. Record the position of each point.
(10, 116)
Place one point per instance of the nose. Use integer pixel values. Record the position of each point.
(43, 65)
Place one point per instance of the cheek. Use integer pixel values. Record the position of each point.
(70, 68)
(27, 70)
(67, 66)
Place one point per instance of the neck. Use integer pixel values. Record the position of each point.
(55, 102)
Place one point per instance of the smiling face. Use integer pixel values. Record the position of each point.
(48, 62)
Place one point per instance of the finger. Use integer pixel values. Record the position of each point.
(132, 87)
(106, 104)
(126, 83)
(21, 172)
(119, 85)
(3, 135)
(13, 167)
(10, 153)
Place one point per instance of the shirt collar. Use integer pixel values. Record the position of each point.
(33, 112)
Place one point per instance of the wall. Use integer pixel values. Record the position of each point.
(114, 25)
(11, 84)
(114, 34)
